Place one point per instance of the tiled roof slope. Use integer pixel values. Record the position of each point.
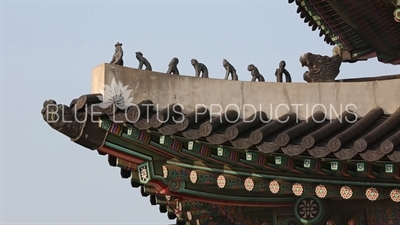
(374, 137)
(364, 28)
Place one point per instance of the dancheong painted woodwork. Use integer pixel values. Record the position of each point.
(258, 169)
(291, 173)
(364, 29)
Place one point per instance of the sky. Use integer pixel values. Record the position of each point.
(48, 49)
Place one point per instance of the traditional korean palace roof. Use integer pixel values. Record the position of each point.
(363, 29)
(270, 166)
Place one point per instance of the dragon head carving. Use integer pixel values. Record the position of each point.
(62, 118)
(321, 68)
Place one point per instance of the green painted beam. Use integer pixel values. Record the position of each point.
(229, 197)
(127, 151)
(285, 176)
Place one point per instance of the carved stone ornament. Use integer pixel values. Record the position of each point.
(117, 57)
(199, 68)
(229, 70)
(142, 61)
(321, 68)
(255, 73)
(63, 119)
(280, 71)
(173, 66)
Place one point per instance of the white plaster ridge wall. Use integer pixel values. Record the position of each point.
(273, 98)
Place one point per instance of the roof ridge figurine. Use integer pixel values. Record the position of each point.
(143, 61)
(117, 57)
(280, 71)
(199, 68)
(173, 66)
(321, 68)
(229, 70)
(255, 73)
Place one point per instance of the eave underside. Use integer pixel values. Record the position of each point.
(364, 29)
(160, 157)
